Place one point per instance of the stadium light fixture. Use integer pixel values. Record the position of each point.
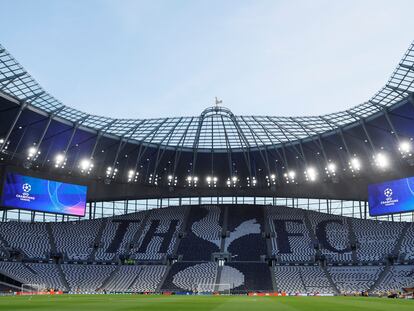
(60, 160)
(290, 176)
(192, 181)
(86, 166)
(271, 180)
(405, 148)
(232, 181)
(4, 144)
(132, 176)
(381, 160)
(111, 172)
(32, 153)
(355, 164)
(311, 174)
(330, 169)
(172, 181)
(211, 181)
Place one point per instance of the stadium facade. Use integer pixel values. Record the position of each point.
(248, 199)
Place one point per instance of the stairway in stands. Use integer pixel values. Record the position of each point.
(4, 245)
(184, 227)
(380, 278)
(218, 278)
(329, 277)
(352, 239)
(98, 238)
(63, 277)
(109, 278)
(274, 281)
(52, 241)
(401, 237)
(164, 278)
(225, 210)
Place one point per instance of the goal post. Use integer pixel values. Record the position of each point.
(213, 288)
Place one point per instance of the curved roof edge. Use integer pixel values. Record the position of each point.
(215, 130)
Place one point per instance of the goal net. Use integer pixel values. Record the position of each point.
(213, 288)
(33, 289)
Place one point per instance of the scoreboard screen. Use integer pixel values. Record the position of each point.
(390, 197)
(43, 195)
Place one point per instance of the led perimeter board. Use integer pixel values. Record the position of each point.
(390, 197)
(43, 195)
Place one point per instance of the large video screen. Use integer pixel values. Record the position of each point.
(394, 196)
(38, 194)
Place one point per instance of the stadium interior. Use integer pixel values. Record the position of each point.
(216, 203)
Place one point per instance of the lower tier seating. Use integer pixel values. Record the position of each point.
(302, 279)
(86, 278)
(398, 277)
(354, 279)
(188, 276)
(42, 275)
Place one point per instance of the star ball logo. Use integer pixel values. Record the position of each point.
(388, 192)
(26, 188)
(389, 200)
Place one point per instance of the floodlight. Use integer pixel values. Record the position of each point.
(405, 147)
(355, 164)
(311, 174)
(381, 160)
(85, 165)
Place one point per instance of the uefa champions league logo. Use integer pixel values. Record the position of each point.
(388, 192)
(389, 200)
(25, 195)
(26, 188)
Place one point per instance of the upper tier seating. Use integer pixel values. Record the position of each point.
(292, 241)
(107, 237)
(245, 226)
(75, 239)
(160, 234)
(407, 244)
(375, 240)
(116, 238)
(333, 235)
(31, 238)
(203, 233)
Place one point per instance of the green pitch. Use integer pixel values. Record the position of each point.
(199, 303)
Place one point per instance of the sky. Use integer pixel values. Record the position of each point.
(148, 59)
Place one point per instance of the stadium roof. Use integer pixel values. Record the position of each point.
(216, 128)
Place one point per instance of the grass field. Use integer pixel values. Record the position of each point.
(184, 303)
